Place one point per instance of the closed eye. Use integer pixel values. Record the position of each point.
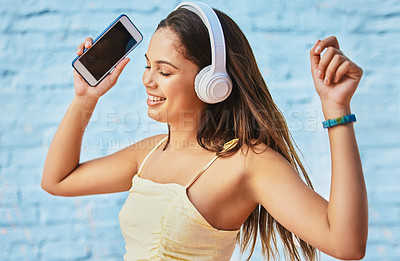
(160, 71)
(164, 74)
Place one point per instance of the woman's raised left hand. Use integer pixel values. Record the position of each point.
(335, 76)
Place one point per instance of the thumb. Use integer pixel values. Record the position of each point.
(118, 69)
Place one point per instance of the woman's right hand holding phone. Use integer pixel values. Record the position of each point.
(63, 174)
(83, 89)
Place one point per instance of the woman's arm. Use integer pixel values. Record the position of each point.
(338, 227)
(336, 79)
(62, 162)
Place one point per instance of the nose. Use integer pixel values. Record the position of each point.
(148, 79)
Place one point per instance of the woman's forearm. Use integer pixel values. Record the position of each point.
(64, 152)
(348, 205)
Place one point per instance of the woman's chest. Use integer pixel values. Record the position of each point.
(218, 191)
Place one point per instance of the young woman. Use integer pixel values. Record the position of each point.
(226, 171)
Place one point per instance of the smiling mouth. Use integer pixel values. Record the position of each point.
(156, 98)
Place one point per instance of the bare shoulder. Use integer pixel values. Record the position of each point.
(265, 168)
(262, 157)
(133, 155)
(144, 146)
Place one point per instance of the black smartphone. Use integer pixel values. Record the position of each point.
(108, 49)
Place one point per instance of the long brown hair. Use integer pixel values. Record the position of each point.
(249, 114)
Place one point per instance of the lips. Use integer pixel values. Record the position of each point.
(154, 100)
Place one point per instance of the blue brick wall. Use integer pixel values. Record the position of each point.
(38, 40)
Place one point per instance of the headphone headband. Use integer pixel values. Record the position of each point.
(211, 21)
(212, 84)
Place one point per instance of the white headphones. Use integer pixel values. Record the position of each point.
(212, 83)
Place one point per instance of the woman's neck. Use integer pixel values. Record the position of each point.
(183, 137)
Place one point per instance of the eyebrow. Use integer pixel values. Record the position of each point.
(162, 62)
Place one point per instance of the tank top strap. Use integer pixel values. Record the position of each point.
(227, 146)
(152, 150)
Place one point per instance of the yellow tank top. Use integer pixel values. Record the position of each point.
(159, 222)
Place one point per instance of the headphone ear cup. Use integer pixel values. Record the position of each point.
(212, 88)
(200, 86)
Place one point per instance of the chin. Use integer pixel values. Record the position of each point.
(156, 116)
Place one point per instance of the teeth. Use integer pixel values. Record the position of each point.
(155, 98)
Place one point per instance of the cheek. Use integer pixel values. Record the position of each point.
(187, 95)
(144, 77)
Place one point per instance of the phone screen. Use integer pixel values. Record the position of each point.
(108, 50)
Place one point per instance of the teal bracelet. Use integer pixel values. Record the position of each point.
(339, 121)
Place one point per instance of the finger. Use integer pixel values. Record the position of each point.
(118, 69)
(326, 59)
(314, 57)
(333, 66)
(341, 70)
(350, 70)
(80, 48)
(88, 42)
(327, 42)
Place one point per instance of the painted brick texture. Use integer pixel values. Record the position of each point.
(38, 40)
